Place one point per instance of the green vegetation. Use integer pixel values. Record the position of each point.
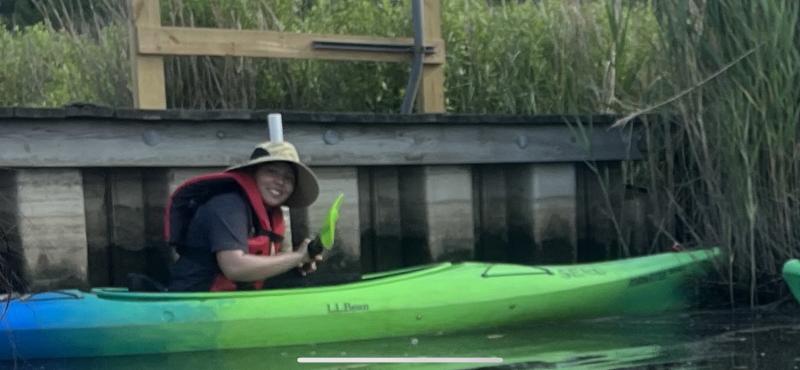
(528, 57)
(727, 169)
(722, 167)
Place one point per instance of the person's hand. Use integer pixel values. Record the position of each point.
(307, 268)
(307, 264)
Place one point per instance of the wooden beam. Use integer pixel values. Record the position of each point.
(170, 143)
(431, 94)
(269, 44)
(149, 89)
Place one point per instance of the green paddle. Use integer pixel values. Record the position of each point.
(326, 234)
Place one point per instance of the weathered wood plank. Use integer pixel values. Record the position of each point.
(269, 44)
(12, 254)
(149, 88)
(541, 213)
(51, 226)
(554, 212)
(127, 209)
(366, 220)
(437, 219)
(380, 214)
(159, 255)
(126, 222)
(413, 218)
(95, 198)
(520, 199)
(609, 212)
(491, 212)
(89, 143)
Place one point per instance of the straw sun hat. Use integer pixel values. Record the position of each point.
(306, 188)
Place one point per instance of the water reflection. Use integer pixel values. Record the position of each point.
(700, 340)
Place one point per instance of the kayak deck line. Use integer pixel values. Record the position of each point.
(444, 297)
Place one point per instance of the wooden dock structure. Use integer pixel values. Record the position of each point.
(83, 188)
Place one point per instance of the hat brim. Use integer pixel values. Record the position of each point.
(306, 187)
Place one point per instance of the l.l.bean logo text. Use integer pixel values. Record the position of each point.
(346, 307)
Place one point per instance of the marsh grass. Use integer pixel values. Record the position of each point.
(725, 167)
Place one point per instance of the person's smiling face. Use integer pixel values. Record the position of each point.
(275, 182)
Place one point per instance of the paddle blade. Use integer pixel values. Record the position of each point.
(326, 235)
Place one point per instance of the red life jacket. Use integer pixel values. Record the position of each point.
(185, 200)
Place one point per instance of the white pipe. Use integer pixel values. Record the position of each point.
(275, 127)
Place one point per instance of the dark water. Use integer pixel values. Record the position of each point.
(697, 340)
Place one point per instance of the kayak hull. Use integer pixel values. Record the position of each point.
(791, 274)
(439, 298)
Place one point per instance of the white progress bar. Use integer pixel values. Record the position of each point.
(399, 360)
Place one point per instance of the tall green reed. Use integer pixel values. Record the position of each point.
(726, 167)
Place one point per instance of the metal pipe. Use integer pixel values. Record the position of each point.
(275, 127)
(416, 64)
(367, 47)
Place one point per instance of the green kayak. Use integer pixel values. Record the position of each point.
(791, 273)
(445, 297)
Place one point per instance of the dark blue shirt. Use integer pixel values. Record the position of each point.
(220, 224)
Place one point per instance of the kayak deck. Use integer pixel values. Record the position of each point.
(443, 297)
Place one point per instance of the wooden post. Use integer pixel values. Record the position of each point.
(437, 215)
(159, 255)
(554, 212)
(149, 89)
(541, 218)
(126, 221)
(116, 224)
(491, 215)
(47, 213)
(379, 191)
(602, 202)
(431, 93)
(97, 236)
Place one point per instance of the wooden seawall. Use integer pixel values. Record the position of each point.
(82, 189)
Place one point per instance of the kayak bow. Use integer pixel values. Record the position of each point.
(791, 273)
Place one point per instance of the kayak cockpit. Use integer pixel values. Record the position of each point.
(386, 277)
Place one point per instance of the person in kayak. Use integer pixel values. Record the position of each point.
(227, 227)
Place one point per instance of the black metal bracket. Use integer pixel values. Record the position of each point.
(368, 47)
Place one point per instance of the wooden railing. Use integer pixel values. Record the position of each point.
(151, 42)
